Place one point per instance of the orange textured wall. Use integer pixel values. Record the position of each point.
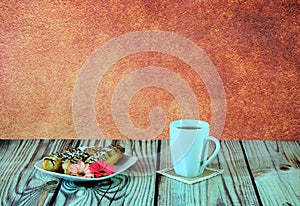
(254, 46)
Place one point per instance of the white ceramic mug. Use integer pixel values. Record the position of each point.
(189, 146)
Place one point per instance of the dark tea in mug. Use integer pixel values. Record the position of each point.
(188, 127)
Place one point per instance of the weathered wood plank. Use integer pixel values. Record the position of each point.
(276, 170)
(134, 187)
(233, 187)
(274, 165)
(20, 182)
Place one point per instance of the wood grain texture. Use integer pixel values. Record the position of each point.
(255, 172)
(276, 169)
(20, 182)
(125, 189)
(233, 187)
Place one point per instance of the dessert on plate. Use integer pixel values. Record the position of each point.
(60, 162)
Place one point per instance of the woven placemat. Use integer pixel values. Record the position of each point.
(207, 173)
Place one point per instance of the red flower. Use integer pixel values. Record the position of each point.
(101, 168)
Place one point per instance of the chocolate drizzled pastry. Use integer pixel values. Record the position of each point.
(60, 161)
(110, 154)
(53, 162)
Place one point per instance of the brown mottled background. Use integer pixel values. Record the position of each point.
(253, 44)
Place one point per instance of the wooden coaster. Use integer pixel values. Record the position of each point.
(207, 173)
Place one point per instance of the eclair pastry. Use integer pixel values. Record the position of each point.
(110, 154)
(53, 162)
(60, 161)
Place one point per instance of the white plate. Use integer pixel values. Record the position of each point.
(123, 164)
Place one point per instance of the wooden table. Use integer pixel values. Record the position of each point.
(255, 173)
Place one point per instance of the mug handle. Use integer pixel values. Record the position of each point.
(214, 154)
